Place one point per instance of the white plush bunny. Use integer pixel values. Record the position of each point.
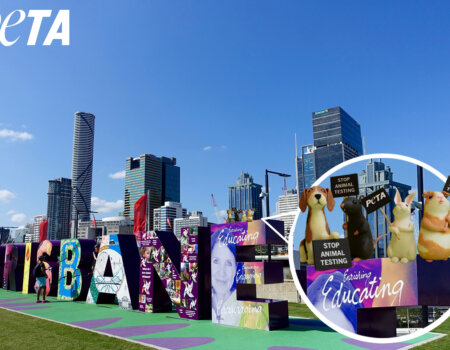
(402, 246)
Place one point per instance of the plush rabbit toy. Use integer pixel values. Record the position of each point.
(402, 246)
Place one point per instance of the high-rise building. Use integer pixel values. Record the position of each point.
(245, 195)
(167, 213)
(288, 202)
(59, 208)
(82, 162)
(377, 175)
(337, 138)
(305, 168)
(37, 221)
(194, 218)
(159, 176)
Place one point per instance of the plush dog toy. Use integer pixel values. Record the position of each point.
(434, 236)
(315, 198)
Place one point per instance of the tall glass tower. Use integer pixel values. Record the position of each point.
(337, 138)
(59, 208)
(159, 176)
(245, 195)
(83, 154)
(305, 168)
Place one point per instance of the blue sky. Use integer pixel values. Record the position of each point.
(221, 86)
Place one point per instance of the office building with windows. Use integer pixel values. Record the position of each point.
(288, 202)
(337, 138)
(245, 195)
(37, 221)
(377, 175)
(194, 218)
(59, 208)
(82, 163)
(163, 217)
(157, 176)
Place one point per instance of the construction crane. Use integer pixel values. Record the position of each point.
(216, 211)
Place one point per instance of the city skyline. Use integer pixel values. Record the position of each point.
(235, 100)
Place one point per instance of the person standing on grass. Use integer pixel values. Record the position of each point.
(41, 278)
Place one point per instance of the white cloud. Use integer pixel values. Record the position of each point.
(15, 135)
(118, 175)
(6, 196)
(11, 212)
(207, 148)
(223, 147)
(19, 218)
(103, 206)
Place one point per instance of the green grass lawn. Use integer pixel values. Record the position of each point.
(25, 332)
(441, 344)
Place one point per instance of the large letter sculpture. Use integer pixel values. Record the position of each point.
(2, 263)
(233, 281)
(13, 270)
(164, 284)
(51, 250)
(116, 273)
(74, 269)
(28, 277)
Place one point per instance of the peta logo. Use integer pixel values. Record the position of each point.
(59, 31)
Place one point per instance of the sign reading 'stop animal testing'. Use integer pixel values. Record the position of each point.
(344, 185)
(331, 254)
(376, 200)
(447, 185)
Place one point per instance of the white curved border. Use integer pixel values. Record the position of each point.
(294, 273)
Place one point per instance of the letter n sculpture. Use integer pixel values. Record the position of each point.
(235, 274)
(164, 282)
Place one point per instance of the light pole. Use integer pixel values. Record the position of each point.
(269, 248)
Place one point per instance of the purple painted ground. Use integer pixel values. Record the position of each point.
(287, 348)
(373, 346)
(101, 322)
(13, 299)
(141, 330)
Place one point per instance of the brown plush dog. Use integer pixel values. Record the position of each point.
(315, 198)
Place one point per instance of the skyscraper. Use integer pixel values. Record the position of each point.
(37, 221)
(245, 195)
(59, 208)
(158, 175)
(82, 162)
(376, 176)
(288, 202)
(337, 138)
(305, 168)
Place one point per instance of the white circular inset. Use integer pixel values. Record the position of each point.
(324, 319)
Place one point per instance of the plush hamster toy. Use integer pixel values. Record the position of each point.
(402, 246)
(434, 237)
